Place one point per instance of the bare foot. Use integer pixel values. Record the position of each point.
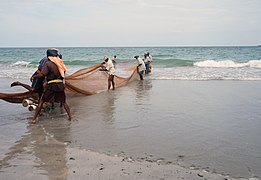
(15, 83)
(31, 120)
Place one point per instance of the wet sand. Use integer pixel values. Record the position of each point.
(39, 155)
(92, 165)
(111, 137)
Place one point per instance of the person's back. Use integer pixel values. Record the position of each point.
(141, 63)
(140, 67)
(53, 71)
(114, 60)
(110, 67)
(53, 76)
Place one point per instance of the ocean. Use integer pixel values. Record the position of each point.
(176, 63)
(200, 108)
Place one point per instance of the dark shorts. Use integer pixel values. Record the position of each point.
(141, 72)
(52, 96)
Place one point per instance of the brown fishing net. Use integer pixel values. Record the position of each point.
(85, 81)
(91, 80)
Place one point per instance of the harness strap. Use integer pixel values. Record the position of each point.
(55, 81)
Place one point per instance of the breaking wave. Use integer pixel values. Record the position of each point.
(228, 64)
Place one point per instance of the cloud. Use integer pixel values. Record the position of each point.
(127, 21)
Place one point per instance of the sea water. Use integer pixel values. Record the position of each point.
(199, 108)
(178, 63)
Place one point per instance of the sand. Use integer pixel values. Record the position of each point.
(85, 164)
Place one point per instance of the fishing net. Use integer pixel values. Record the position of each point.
(91, 80)
(86, 81)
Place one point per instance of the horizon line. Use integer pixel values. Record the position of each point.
(132, 46)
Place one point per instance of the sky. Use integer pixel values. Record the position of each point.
(113, 23)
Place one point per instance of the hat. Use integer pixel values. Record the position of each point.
(105, 58)
(52, 52)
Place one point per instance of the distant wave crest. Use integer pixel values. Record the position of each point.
(21, 63)
(228, 64)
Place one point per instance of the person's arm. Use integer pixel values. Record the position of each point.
(106, 67)
(138, 67)
(36, 76)
(103, 69)
(42, 73)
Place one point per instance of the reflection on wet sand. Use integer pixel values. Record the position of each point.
(108, 107)
(41, 152)
(142, 90)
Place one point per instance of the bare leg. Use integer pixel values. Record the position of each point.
(67, 109)
(26, 86)
(113, 85)
(37, 112)
(112, 82)
(141, 77)
(109, 83)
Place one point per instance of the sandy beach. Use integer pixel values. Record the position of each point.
(112, 136)
(84, 164)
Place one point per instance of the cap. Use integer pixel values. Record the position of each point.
(105, 58)
(52, 52)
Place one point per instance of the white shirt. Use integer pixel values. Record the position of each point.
(110, 67)
(150, 58)
(141, 63)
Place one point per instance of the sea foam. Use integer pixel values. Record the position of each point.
(225, 63)
(21, 63)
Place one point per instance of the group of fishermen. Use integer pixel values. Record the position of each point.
(144, 65)
(48, 82)
(48, 79)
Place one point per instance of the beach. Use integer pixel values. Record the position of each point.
(151, 129)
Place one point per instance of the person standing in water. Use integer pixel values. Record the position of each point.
(148, 62)
(114, 60)
(108, 66)
(140, 67)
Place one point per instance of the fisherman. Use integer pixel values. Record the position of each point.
(54, 71)
(114, 60)
(140, 67)
(108, 66)
(38, 84)
(148, 62)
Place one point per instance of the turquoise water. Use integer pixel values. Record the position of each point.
(180, 63)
